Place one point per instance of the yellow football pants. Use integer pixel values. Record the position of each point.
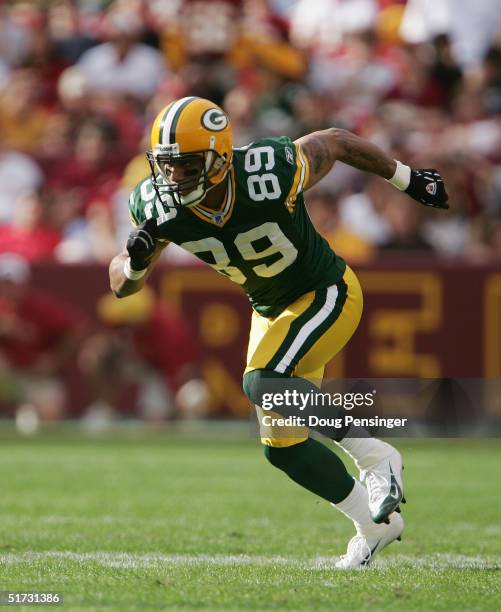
(302, 340)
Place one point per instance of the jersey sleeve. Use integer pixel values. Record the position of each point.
(301, 170)
(291, 166)
(136, 206)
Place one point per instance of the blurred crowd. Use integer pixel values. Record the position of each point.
(134, 357)
(81, 81)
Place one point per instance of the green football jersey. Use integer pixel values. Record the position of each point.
(263, 238)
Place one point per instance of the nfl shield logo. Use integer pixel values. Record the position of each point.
(431, 188)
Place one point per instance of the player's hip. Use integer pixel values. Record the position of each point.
(309, 332)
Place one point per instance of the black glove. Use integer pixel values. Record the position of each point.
(427, 187)
(141, 244)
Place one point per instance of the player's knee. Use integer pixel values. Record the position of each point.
(255, 385)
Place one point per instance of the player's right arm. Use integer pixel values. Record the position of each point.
(130, 269)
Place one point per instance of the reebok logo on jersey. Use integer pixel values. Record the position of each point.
(289, 156)
(431, 188)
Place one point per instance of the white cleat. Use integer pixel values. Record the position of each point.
(362, 548)
(385, 486)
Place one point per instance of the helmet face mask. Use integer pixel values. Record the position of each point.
(191, 151)
(197, 168)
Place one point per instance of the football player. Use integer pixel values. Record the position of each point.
(242, 211)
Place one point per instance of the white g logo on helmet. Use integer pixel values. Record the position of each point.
(214, 119)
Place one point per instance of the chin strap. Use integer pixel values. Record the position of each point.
(194, 197)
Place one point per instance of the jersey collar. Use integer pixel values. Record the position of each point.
(220, 218)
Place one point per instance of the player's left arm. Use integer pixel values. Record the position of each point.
(322, 149)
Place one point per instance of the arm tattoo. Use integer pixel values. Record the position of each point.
(323, 148)
(319, 154)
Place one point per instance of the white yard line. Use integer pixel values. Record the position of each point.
(490, 529)
(437, 561)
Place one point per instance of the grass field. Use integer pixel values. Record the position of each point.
(168, 522)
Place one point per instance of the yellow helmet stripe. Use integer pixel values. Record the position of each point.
(169, 121)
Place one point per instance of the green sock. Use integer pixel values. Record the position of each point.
(315, 467)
